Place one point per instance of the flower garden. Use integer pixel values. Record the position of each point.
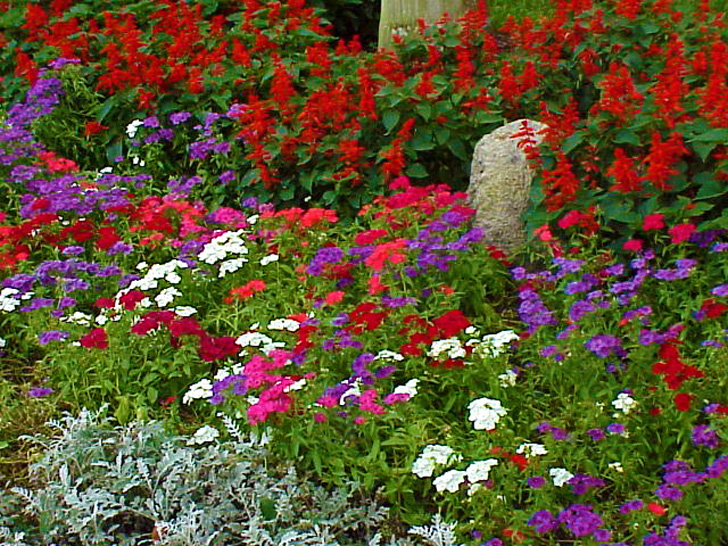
(243, 299)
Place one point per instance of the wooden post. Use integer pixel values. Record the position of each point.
(400, 16)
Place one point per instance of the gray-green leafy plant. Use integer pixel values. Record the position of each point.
(138, 484)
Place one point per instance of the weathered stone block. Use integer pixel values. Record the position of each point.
(500, 183)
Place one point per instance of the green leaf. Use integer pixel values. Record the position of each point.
(390, 119)
(442, 134)
(422, 140)
(713, 135)
(268, 508)
(627, 136)
(112, 150)
(152, 394)
(709, 186)
(425, 110)
(458, 149)
(572, 142)
(416, 170)
(329, 197)
(105, 108)
(703, 149)
(287, 194)
(485, 118)
(649, 27)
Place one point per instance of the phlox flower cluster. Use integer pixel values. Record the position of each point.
(485, 413)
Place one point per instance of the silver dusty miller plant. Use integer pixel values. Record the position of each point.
(137, 484)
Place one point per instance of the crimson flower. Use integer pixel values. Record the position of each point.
(95, 339)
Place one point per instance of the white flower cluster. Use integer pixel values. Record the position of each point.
(9, 303)
(560, 476)
(492, 345)
(353, 390)
(133, 127)
(156, 272)
(222, 245)
(452, 346)
(624, 403)
(203, 388)
(386, 354)
(203, 435)
(3, 342)
(476, 473)
(284, 324)
(485, 413)
(616, 466)
(480, 470)
(269, 259)
(230, 266)
(531, 450)
(184, 311)
(508, 378)
(260, 340)
(431, 456)
(409, 388)
(449, 481)
(166, 296)
(82, 319)
(198, 391)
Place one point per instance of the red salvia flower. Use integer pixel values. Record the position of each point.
(560, 184)
(662, 158)
(624, 172)
(628, 8)
(620, 97)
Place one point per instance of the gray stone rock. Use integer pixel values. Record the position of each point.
(500, 182)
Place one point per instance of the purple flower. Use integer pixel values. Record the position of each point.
(603, 345)
(152, 122)
(536, 481)
(580, 519)
(53, 335)
(384, 371)
(493, 542)
(682, 477)
(179, 117)
(671, 274)
(616, 428)
(227, 177)
(668, 492)
(703, 435)
(631, 506)
(579, 309)
(39, 392)
(596, 434)
(721, 291)
(543, 521)
(581, 483)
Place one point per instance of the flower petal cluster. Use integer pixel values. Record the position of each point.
(485, 413)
